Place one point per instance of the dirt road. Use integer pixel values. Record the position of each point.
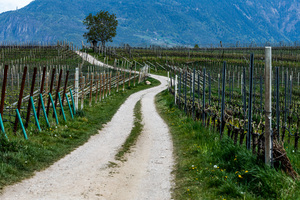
(84, 174)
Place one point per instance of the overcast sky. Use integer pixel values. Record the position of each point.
(6, 5)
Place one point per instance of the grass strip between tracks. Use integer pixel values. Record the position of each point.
(134, 134)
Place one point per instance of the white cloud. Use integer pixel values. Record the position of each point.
(7, 5)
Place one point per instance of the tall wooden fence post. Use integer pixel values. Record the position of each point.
(65, 87)
(31, 94)
(91, 89)
(223, 100)
(82, 91)
(41, 91)
(249, 131)
(57, 90)
(20, 97)
(76, 87)
(51, 87)
(3, 89)
(97, 87)
(176, 81)
(268, 105)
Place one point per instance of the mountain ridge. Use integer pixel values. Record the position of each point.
(159, 22)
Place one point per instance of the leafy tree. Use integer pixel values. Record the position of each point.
(196, 46)
(101, 27)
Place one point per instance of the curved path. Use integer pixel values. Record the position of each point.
(84, 174)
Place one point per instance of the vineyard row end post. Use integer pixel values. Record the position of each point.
(76, 87)
(268, 105)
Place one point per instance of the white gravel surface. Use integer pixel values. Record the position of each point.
(84, 174)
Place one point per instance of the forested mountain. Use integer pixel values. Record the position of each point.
(163, 22)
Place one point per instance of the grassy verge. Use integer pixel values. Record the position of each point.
(20, 158)
(135, 133)
(210, 168)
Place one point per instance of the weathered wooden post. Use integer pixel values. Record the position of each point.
(57, 90)
(82, 91)
(107, 84)
(118, 76)
(250, 104)
(31, 94)
(97, 87)
(110, 82)
(129, 79)
(103, 83)
(20, 97)
(100, 89)
(51, 87)
(47, 82)
(3, 89)
(268, 105)
(41, 91)
(91, 89)
(134, 75)
(76, 87)
(176, 81)
(124, 81)
(65, 87)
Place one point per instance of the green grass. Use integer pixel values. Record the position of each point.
(210, 168)
(19, 159)
(135, 133)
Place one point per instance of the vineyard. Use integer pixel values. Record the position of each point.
(206, 88)
(47, 91)
(44, 85)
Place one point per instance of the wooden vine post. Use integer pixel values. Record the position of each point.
(129, 79)
(82, 91)
(20, 97)
(110, 82)
(3, 90)
(103, 88)
(51, 87)
(41, 92)
(97, 87)
(57, 90)
(65, 87)
(31, 94)
(124, 81)
(118, 76)
(76, 87)
(134, 75)
(91, 89)
(100, 97)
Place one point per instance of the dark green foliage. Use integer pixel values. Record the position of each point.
(101, 27)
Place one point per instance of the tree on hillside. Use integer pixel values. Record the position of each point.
(101, 27)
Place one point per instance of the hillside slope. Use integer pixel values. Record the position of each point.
(164, 22)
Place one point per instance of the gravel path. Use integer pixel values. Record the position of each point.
(84, 174)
